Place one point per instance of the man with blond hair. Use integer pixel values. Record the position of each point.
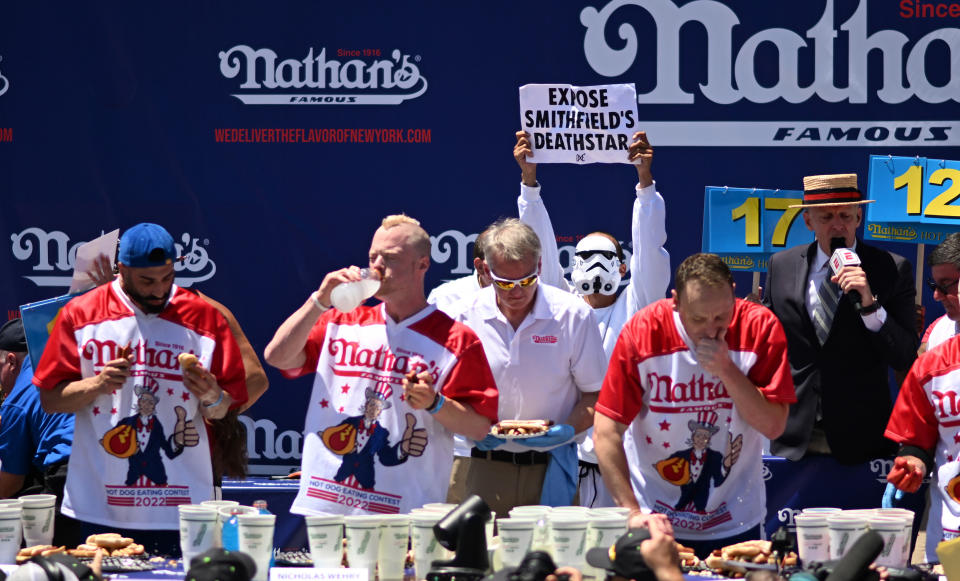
(393, 382)
(544, 349)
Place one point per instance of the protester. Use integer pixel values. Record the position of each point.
(598, 268)
(545, 353)
(34, 445)
(840, 351)
(701, 378)
(112, 359)
(393, 383)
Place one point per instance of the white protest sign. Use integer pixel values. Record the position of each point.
(569, 124)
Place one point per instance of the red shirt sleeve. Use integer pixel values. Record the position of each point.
(771, 373)
(914, 420)
(312, 347)
(471, 382)
(61, 357)
(227, 363)
(621, 397)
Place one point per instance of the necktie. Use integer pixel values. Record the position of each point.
(828, 294)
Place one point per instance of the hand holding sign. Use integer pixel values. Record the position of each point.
(521, 151)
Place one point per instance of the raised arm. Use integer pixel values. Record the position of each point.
(650, 261)
(533, 213)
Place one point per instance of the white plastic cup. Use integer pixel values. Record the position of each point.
(604, 529)
(568, 536)
(516, 539)
(896, 541)
(844, 530)
(256, 540)
(325, 533)
(37, 518)
(426, 547)
(612, 509)
(363, 542)
(541, 536)
(826, 509)
(8, 502)
(198, 531)
(489, 528)
(813, 536)
(218, 530)
(394, 540)
(10, 534)
(347, 296)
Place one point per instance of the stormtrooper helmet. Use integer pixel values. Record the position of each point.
(596, 268)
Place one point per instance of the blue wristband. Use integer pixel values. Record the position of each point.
(216, 403)
(432, 410)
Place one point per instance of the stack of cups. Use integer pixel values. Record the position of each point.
(844, 529)
(606, 526)
(540, 513)
(198, 526)
(568, 536)
(813, 536)
(11, 530)
(230, 526)
(255, 532)
(325, 534)
(426, 547)
(394, 540)
(896, 527)
(218, 530)
(38, 513)
(363, 542)
(516, 538)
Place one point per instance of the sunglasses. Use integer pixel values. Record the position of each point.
(944, 289)
(511, 283)
(608, 254)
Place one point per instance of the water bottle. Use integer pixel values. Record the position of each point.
(347, 296)
(261, 505)
(231, 533)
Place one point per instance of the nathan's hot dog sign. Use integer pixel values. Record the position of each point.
(915, 199)
(746, 225)
(569, 124)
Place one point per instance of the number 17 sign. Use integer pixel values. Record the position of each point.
(746, 225)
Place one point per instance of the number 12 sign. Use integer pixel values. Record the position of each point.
(746, 225)
(914, 199)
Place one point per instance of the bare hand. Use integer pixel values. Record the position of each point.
(639, 519)
(184, 431)
(660, 550)
(713, 355)
(907, 473)
(101, 271)
(349, 274)
(853, 278)
(414, 439)
(640, 154)
(114, 374)
(418, 390)
(201, 383)
(521, 151)
(573, 573)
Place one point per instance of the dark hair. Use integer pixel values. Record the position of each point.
(947, 252)
(708, 269)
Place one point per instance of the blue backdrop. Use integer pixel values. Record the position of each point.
(117, 112)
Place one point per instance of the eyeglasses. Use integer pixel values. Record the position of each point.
(944, 289)
(511, 283)
(608, 254)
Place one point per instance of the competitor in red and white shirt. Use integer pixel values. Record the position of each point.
(393, 383)
(701, 379)
(599, 265)
(140, 449)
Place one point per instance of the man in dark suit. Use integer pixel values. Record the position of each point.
(840, 359)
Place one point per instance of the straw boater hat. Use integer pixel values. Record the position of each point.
(831, 190)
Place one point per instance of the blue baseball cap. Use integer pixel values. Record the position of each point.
(146, 245)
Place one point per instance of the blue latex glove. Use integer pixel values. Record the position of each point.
(489, 443)
(891, 496)
(555, 435)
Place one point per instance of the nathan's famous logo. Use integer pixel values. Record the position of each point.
(352, 354)
(892, 232)
(99, 352)
(53, 255)
(731, 74)
(663, 388)
(270, 79)
(738, 262)
(4, 83)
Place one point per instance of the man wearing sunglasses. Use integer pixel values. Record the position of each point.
(545, 353)
(944, 277)
(598, 265)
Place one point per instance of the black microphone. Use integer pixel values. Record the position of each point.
(843, 256)
(856, 563)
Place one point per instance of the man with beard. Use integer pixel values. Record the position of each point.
(120, 335)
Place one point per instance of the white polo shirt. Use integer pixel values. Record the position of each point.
(453, 291)
(541, 367)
